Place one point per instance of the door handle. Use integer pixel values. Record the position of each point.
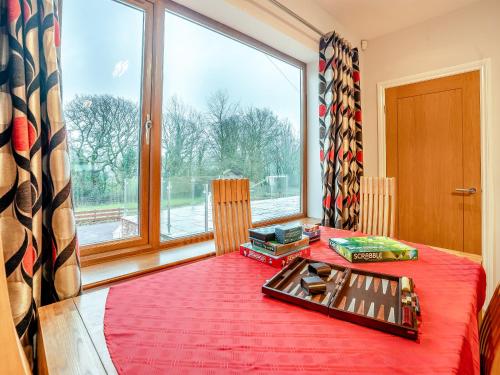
(466, 191)
(147, 127)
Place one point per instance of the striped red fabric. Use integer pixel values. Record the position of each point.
(211, 317)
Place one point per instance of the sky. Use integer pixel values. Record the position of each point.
(101, 51)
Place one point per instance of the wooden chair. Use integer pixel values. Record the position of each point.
(13, 359)
(231, 214)
(489, 336)
(378, 206)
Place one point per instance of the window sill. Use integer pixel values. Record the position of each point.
(115, 270)
(108, 272)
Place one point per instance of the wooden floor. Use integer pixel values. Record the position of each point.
(72, 334)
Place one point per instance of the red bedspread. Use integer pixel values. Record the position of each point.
(211, 317)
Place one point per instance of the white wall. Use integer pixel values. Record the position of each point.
(315, 192)
(244, 16)
(469, 34)
(268, 24)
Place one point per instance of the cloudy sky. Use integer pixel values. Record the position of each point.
(102, 54)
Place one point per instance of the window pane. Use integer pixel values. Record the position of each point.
(102, 79)
(229, 110)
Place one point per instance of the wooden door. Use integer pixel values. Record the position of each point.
(433, 150)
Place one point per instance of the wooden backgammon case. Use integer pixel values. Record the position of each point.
(380, 301)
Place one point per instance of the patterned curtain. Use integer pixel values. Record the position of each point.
(341, 149)
(37, 226)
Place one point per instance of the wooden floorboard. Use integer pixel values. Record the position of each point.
(91, 307)
(65, 341)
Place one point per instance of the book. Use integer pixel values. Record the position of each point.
(263, 234)
(288, 233)
(372, 249)
(276, 248)
(280, 261)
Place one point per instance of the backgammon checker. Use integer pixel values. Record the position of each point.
(319, 268)
(384, 302)
(313, 284)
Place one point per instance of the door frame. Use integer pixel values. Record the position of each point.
(486, 129)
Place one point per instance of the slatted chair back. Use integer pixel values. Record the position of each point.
(378, 206)
(489, 336)
(231, 213)
(13, 359)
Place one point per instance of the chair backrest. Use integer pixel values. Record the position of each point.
(231, 213)
(378, 206)
(489, 336)
(14, 359)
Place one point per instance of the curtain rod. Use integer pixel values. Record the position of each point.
(297, 17)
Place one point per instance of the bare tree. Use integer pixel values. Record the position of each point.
(286, 155)
(224, 135)
(183, 139)
(104, 139)
(258, 130)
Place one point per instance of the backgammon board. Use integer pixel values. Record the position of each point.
(384, 302)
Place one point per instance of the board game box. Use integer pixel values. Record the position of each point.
(372, 249)
(313, 231)
(288, 233)
(277, 261)
(313, 236)
(376, 300)
(277, 248)
(263, 234)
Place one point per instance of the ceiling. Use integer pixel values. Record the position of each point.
(373, 18)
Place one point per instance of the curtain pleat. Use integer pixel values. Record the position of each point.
(341, 150)
(37, 226)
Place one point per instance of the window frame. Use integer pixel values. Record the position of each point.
(149, 238)
(226, 31)
(142, 240)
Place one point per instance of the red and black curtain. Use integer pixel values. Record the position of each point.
(341, 149)
(37, 226)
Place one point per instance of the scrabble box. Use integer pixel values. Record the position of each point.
(372, 249)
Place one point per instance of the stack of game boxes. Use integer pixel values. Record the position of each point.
(276, 245)
(312, 231)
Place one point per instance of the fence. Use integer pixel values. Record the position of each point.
(99, 216)
(185, 203)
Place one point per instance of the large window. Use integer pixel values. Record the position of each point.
(160, 100)
(228, 110)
